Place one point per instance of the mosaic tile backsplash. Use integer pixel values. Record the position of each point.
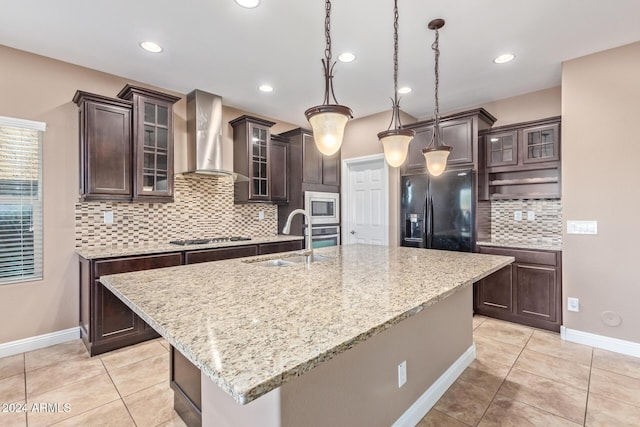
(203, 207)
(546, 227)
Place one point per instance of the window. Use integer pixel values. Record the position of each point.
(20, 200)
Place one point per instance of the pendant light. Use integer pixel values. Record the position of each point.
(395, 142)
(328, 120)
(436, 153)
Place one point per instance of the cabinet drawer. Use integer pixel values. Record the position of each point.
(272, 248)
(126, 265)
(193, 257)
(523, 255)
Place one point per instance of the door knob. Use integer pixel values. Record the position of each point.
(353, 232)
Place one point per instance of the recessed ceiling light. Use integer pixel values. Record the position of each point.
(249, 4)
(151, 47)
(504, 58)
(404, 90)
(266, 88)
(346, 57)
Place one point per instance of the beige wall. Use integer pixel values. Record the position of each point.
(361, 139)
(600, 111)
(38, 88)
(523, 108)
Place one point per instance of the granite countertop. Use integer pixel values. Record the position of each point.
(155, 248)
(542, 245)
(252, 328)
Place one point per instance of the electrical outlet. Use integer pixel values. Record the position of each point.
(573, 304)
(261, 215)
(531, 215)
(517, 215)
(402, 374)
(108, 217)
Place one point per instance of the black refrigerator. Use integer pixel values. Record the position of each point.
(438, 212)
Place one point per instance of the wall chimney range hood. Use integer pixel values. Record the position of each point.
(204, 136)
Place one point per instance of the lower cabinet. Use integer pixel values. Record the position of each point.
(106, 323)
(528, 292)
(185, 383)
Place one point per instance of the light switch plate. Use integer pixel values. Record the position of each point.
(582, 227)
(573, 304)
(517, 215)
(108, 217)
(402, 374)
(261, 215)
(531, 215)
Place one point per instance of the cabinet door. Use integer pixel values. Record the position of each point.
(457, 134)
(279, 165)
(501, 149)
(495, 292)
(331, 169)
(541, 143)
(154, 148)
(312, 158)
(107, 141)
(258, 162)
(415, 159)
(537, 291)
(114, 318)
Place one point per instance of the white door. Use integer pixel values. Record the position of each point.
(366, 201)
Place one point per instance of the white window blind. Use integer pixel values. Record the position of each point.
(20, 200)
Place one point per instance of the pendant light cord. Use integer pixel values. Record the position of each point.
(436, 49)
(326, 62)
(395, 110)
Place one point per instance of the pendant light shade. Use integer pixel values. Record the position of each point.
(328, 123)
(436, 154)
(328, 120)
(395, 142)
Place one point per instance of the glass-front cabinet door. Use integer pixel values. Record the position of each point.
(502, 148)
(541, 143)
(152, 143)
(259, 164)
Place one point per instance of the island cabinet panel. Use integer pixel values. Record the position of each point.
(107, 323)
(218, 254)
(270, 248)
(528, 292)
(186, 385)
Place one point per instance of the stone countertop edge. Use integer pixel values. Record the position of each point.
(114, 251)
(521, 245)
(246, 396)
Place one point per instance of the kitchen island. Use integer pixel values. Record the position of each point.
(319, 344)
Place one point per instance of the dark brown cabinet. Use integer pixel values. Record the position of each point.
(218, 254)
(126, 145)
(460, 131)
(105, 147)
(528, 292)
(262, 159)
(106, 323)
(270, 248)
(152, 143)
(522, 161)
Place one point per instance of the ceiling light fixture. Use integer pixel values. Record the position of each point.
(151, 47)
(249, 4)
(507, 57)
(346, 57)
(266, 88)
(328, 120)
(395, 142)
(404, 90)
(436, 153)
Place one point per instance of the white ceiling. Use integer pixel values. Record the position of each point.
(219, 47)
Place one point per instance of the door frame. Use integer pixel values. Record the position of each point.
(345, 195)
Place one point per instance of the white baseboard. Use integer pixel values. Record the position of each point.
(600, 341)
(40, 341)
(420, 407)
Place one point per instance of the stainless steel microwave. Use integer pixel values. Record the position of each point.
(324, 208)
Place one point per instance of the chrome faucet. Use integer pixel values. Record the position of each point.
(308, 252)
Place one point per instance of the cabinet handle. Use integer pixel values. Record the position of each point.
(495, 305)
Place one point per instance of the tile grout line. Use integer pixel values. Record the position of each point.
(586, 404)
(119, 394)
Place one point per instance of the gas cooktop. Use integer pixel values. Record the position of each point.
(207, 240)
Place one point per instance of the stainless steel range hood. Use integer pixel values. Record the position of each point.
(204, 136)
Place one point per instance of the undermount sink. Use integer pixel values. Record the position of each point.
(287, 261)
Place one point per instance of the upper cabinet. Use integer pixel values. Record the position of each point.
(460, 131)
(152, 143)
(262, 159)
(105, 147)
(522, 161)
(126, 145)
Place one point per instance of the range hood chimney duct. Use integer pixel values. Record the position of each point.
(204, 136)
